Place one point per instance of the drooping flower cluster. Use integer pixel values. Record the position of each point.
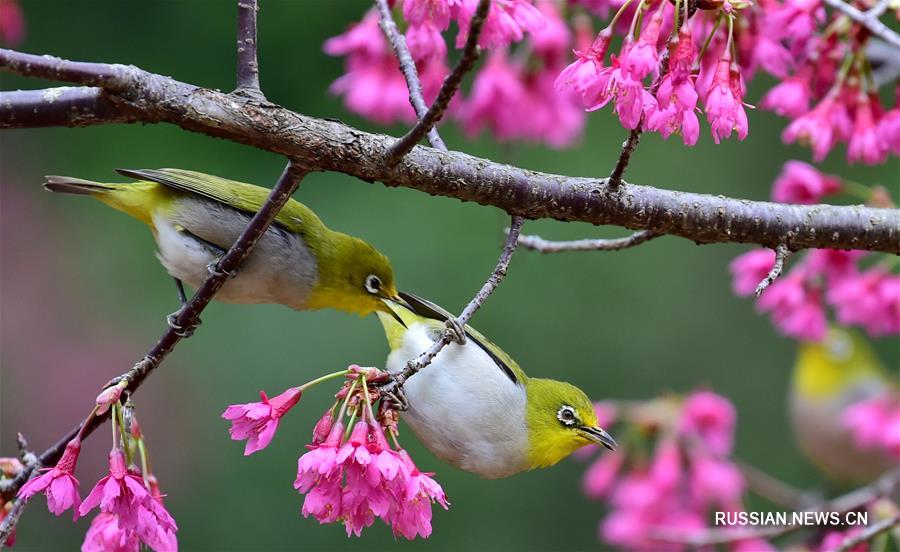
(131, 505)
(875, 423)
(861, 289)
(665, 498)
(350, 474)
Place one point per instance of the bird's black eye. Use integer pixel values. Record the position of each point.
(566, 415)
(373, 284)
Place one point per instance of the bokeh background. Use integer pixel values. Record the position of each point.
(83, 296)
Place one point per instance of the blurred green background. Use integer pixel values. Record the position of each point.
(83, 296)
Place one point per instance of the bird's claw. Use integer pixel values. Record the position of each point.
(181, 331)
(456, 330)
(213, 269)
(393, 392)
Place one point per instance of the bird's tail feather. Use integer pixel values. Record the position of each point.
(71, 185)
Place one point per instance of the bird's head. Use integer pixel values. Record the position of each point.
(560, 420)
(353, 277)
(828, 367)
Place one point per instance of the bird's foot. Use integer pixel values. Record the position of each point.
(181, 331)
(213, 269)
(456, 330)
(393, 392)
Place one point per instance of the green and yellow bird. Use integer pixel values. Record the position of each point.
(475, 408)
(828, 377)
(196, 217)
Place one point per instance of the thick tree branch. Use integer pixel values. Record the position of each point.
(332, 146)
(868, 19)
(408, 68)
(188, 317)
(537, 243)
(63, 106)
(489, 286)
(448, 87)
(247, 63)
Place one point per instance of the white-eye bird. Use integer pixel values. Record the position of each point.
(196, 217)
(474, 407)
(828, 377)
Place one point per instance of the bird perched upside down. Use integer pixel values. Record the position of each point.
(196, 217)
(475, 408)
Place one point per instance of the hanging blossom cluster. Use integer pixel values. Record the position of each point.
(862, 289)
(131, 509)
(671, 472)
(678, 60)
(512, 96)
(350, 473)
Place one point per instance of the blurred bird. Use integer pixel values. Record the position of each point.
(475, 408)
(196, 217)
(828, 377)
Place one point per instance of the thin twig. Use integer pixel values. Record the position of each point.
(408, 68)
(781, 253)
(886, 485)
(247, 62)
(328, 145)
(871, 532)
(537, 243)
(188, 317)
(489, 286)
(776, 491)
(873, 24)
(12, 517)
(615, 177)
(448, 89)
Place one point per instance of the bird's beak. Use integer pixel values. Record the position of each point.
(392, 303)
(599, 436)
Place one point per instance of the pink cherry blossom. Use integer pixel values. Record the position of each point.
(716, 482)
(749, 269)
(834, 264)
(258, 421)
(801, 183)
(821, 128)
(58, 483)
(871, 300)
(789, 98)
(865, 145)
(796, 307)
(710, 418)
(496, 93)
(642, 57)
(437, 12)
(425, 41)
(723, 106)
(105, 535)
(412, 514)
(125, 496)
(12, 23)
(666, 468)
(676, 97)
(600, 476)
(507, 22)
(321, 460)
(889, 129)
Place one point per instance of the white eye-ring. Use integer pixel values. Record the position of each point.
(566, 415)
(373, 284)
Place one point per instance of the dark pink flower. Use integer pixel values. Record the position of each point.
(749, 269)
(436, 12)
(12, 23)
(676, 98)
(552, 42)
(494, 101)
(507, 22)
(889, 130)
(587, 67)
(321, 460)
(866, 421)
(425, 41)
(834, 539)
(323, 427)
(835, 264)
(412, 514)
(871, 300)
(58, 483)
(795, 307)
(801, 183)
(821, 128)
(772, 56)
(258, 421)
(125, 496)
(865, 145)
(105, 535)
(723, 106)
(666, 467)
(642, 57)
(789, 98)
(710, 418)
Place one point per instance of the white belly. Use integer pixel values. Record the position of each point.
(463, 407)
(281, 268)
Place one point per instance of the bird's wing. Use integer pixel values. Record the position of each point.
(294, 216)
(427, 309)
